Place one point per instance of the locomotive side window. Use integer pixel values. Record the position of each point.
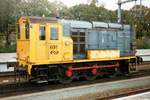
(27, 31)
(42, 33)
(54, 33)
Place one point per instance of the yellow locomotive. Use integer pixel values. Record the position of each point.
(57, 49)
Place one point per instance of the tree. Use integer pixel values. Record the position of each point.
(7, 17)
(89, 13)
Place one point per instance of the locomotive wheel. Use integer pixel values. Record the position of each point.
(90, 76)
(62, 76)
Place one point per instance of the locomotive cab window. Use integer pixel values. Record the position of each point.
(27, 30)
(42, 33)
(18, 30)
(53, 33)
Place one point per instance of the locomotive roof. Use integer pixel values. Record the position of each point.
(76, 23)
(35, 19)
(94, 24)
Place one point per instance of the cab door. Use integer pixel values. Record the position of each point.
(54, 43)
(41, 47)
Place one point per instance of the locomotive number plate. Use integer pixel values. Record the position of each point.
(54, 50)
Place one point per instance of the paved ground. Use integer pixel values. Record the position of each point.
(85, 92)
(141, 96)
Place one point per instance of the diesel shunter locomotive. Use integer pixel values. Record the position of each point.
(57, 49)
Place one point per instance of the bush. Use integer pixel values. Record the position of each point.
(9, 49)
(143, 43)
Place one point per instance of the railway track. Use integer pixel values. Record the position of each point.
(124, 92)
(27, 88)
(147, 63)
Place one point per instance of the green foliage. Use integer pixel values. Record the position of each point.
(89, 13)
(140, 18)
(7, 14)
(40, 8)
(143, 43)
